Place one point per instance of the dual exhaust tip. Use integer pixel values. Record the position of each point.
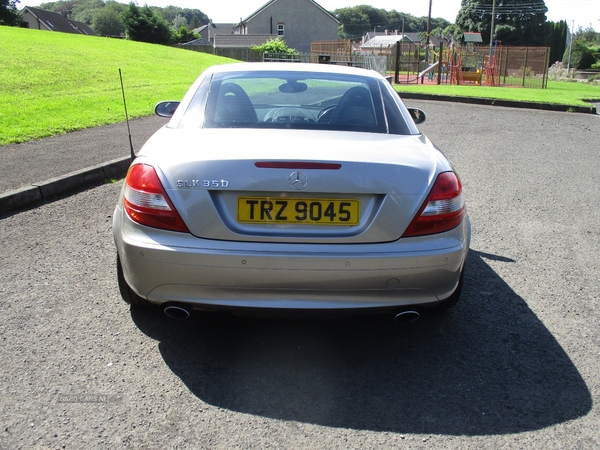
(182, 312)
(177, 311)
(406, 316)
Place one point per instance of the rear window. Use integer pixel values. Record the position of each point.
(298, 100)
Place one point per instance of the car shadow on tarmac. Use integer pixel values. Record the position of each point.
(487, 366)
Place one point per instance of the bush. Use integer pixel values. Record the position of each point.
(276, 45)
(582, 57)
(184, 35)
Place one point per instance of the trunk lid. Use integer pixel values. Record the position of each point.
(294, 185)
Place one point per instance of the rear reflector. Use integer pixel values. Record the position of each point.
(297, 165)
(146, 201)
(443, 209)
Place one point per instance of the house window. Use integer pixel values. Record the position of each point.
(280, 29)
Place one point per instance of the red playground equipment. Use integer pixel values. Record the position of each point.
(491, 71)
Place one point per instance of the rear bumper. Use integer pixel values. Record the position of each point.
(175, 267)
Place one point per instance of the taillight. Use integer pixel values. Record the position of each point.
(146, 201)
(443, 209)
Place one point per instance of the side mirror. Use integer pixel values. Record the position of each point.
(417, 115)
(166, 109)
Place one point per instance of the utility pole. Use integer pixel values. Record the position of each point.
(492, 29)
(403, 27)
(429, 22)
(427, 41)
(570, 47)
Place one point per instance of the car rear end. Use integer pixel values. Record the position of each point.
(291, 218)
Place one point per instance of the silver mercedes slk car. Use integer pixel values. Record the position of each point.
(287, 186)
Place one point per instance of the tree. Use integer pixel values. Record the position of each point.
(107, 22)
(63, 7)
(184, 35)
(453, 30)
(362, 19)
(517, 22)
(84, 11)
(557, 40)
(171, 12)
(588, 35)
(141, 24)
(179, 21)
(9, 14)
(377, 17)
(354, 21)
(582, 57)
(195, 23)
(585, 51)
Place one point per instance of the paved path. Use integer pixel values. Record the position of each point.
(22, 165)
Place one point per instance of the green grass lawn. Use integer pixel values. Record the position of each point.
(52, 83)
(564, 93)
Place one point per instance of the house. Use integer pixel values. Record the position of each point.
(207, 32)
(222, 35)
(241, 40)
(383, 43)
(408, 36)
(446, 41)
(298, 22)
(38, 19)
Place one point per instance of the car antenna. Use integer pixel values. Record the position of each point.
(127, 117)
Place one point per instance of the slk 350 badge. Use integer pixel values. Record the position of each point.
(203, 183)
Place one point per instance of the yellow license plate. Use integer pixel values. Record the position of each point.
(310, 211)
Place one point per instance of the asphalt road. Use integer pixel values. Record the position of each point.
(516, 364)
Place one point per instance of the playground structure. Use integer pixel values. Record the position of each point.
(469, 70)
(413, 62)
(476, 65)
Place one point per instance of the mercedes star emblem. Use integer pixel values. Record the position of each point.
(298, 180)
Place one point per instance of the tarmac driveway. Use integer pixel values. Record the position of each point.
(514, 365)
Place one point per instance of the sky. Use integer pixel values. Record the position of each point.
(583, 12)
(576, 12)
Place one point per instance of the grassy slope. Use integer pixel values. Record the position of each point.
(52, 83)
(565, 93)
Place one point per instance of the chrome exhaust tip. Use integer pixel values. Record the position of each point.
(406, 316)
(180, 312)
